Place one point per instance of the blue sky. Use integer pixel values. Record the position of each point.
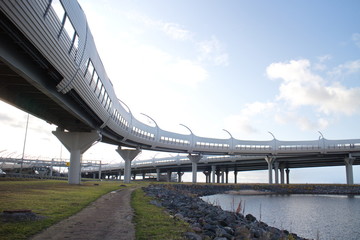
(250, 67)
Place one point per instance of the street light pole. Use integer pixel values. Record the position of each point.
(23, 152)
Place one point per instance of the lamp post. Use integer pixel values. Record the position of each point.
(131, 116)
(232, 139)
(322, 137)
(23, 152)
(273, 139)
(156, 125)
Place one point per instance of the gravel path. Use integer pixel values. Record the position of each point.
(109, 217)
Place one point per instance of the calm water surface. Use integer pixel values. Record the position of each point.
(310, 216)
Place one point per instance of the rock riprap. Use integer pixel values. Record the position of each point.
(208, 221)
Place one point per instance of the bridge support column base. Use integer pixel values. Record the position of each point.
(282, 173)
(76, 143)
(158, 174)
(287, 176)
(168, 174)
(270, 160)
(207, 176)
(194, 160)
(213, 171)
(235, 176)
(128, 155)
(276, 168)
(349, 170)
(179, 175)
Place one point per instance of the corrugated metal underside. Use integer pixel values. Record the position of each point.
(66, 111)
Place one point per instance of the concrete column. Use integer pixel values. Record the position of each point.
(158, 174)
(282, 177)
(143, 175)
(270, 160)
(227, 176)
(100, 170)
(179, 175)
(76, 143)
(287, 176)
(213, 171)
(51, 167)
(349, 169)
(194, 160)
(207, 176)
(235, 176)
(168, 175)
(128, 155)
(222, 176)
(218, 175)
(276, 168)
(120, 175)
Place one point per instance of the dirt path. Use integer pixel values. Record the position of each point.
(108, 218)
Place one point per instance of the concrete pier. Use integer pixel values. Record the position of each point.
(76, 143)
(128, 155)
(349, 169)
(194, 160)
(270, 160)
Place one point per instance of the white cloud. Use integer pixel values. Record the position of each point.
(320, 65)
(243, 123)
(346, 68)
(148, 65)
(356, 39)
(212, 51)
(303, 122)
(176, 31)
(301, 87)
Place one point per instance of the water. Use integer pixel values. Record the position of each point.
(311, 216)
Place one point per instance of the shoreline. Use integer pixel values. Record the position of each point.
(183, 202)
(248, 192)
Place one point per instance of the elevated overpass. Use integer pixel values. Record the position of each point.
(50, 67)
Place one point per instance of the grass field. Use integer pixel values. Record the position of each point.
(152, 223)
(55, 200)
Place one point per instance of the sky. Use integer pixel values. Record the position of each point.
(291, 68)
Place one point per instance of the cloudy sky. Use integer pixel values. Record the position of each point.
(250, 67)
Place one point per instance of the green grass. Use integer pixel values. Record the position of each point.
(53, 199)
(153, 223)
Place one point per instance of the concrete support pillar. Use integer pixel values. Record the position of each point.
(235, 176)
(227, 176)
(222, 176)
(287, 176)
(100, 170)
(76, 143)
(158, 174)
(120, 175)
(207, 176)
(128, 155)
(276, 168)
(143, 175)
(194, 160)
(349, 169)
(179, 173)
(218, 175)
(282, 177)
(168, 175)
(213, 171)
(51, 167)
(270, 161)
